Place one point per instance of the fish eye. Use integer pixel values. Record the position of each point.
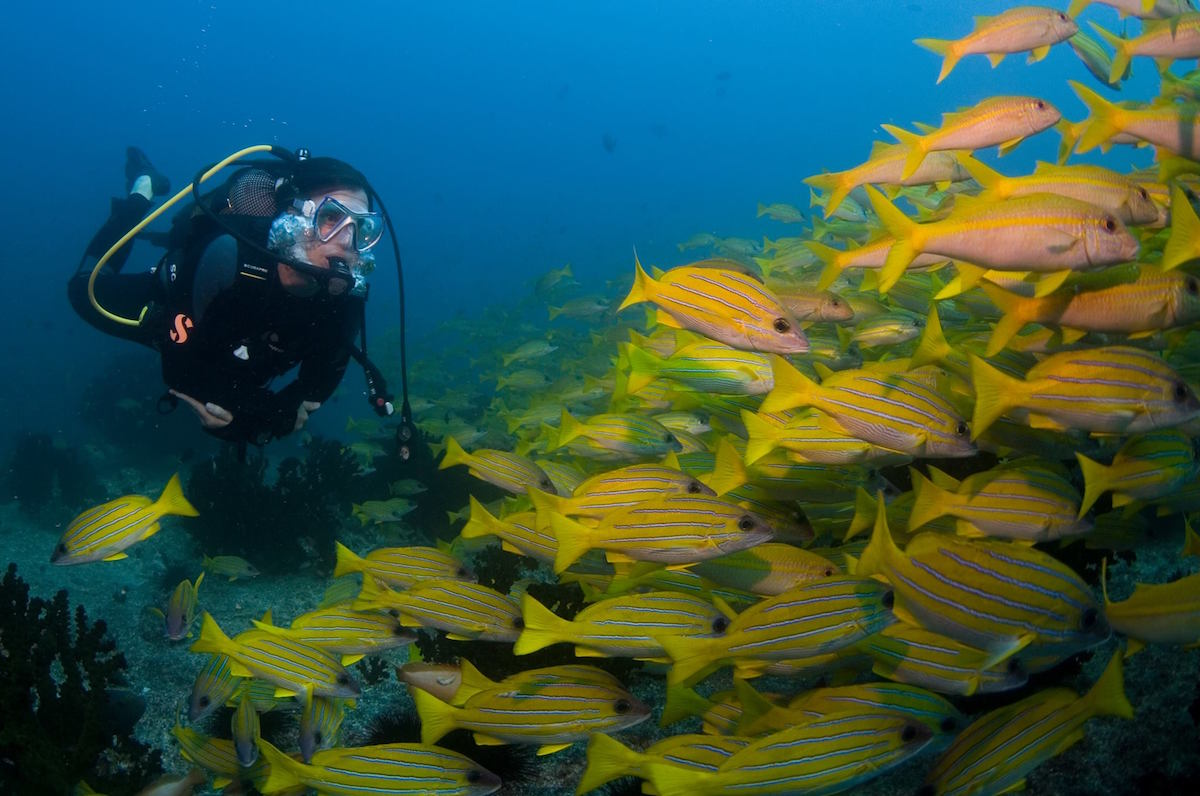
(668, 437)
(888, 599)
(745, 524)
(473, 775)
(1110, 225)
(622, 706)
(908, 733)
(961, 429)
(1015, 666)
(782, 326)
(1142, 192)
(1041, 106)
(829, 572)
(317, 737)
(62, 548)
(545, 482)
(1180, 392)
(693, 487)
(461, 572)
(1088, 619)
(343, 679)
(204, 701)
(720, 624)
(1192, 286)
(397, 630)
(949, 724)
(519, 623)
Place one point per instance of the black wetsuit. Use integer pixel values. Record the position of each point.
(223, 335)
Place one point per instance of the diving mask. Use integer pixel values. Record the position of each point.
(291, 235)
(329, 217)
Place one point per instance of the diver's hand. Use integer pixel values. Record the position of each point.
(211, 416)
(302, 413)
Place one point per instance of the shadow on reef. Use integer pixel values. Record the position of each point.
(64, 716)
(282, 526)
(41, 473)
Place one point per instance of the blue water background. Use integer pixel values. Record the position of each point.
(483, 125)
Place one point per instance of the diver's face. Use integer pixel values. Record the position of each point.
(340, 245)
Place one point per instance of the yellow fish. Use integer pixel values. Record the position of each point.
(1026, 28)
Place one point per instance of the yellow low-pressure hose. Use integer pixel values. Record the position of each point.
(128, 236)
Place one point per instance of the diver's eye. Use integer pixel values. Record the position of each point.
(1192, 286)
(745, 524)
(888, 599)
(1088, 619)
(1180, 393)
(961, 429)
(622, 706)
(720, 624)
(1110, 225)
(782, 326)
(473, 775)
(908, 733)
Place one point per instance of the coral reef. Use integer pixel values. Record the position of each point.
(41, 473)
(56, 697)
(279, 527)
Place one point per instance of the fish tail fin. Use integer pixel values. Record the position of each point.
(437, 717)
(792, 388)
(172, 501)
(554, 311)
(1120, 45)
(900, 227)
(755, 707)
(944, 48)
(1010, 322)
(643, 368)
(642, 285)
(480, 523)
(882, 546)
(832, 184)
(212, 638)
(982, 173)
(681, 703)
(546, 504)
(1076, 7)
(542, 627)
(347, 561)
(1095, 482)
(574, 539)
(916, 149)
(829, 258)
(763, 436)
(454, 454)
(692, 658)
(994, 394)
(607, 759)
(1107, 696)
(729, 469)
(282, 770)
(929, 501)
(864, 513)
(1184, 242)
(1102, 121)
(670, 780)
(568, 429)
(1191, 542)
(932, 347)
(762, 208)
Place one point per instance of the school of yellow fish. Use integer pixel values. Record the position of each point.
(712, 484)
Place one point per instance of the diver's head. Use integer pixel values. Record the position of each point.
(327, 223)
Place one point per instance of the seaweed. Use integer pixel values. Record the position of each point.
(279, 527)
(56, 699)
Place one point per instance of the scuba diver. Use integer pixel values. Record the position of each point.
(265, 274)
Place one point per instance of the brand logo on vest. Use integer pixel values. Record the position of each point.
(179, 334)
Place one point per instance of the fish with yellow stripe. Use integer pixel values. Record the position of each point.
(810, 620)
(519, 533)
(670, 529)
(1157, 613)
(294, 668)
(401, 567)
(609, 759)
(621, 488)
(1169, 126)
(994, 596)
(909, 654)
(885, 166)
(997, 751)
(825, 755)
(628, 626)
(1112, 389)
(218, 757)
(811, 436)
(1166, 41)
(615, 436)
(1031, 29)
(509, 471)
(104, 532)
(1041, 233)
(893, 410)
(701, 366)
(464, 611)
(725, 305)
(767, 569)
(344, 631)
(551, 715)
(996, 121)
(181, 610)
(394, 768)
(1148, 466)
